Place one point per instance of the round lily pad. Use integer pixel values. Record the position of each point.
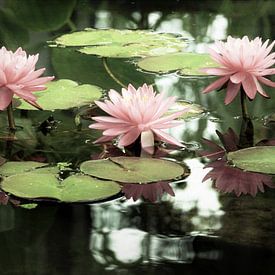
(122, 43)
(256, 159)
(182, 63)
(77, 188)
(85, 188)
(133, 169)
(32, 185)
(64, 94)
(16, 167)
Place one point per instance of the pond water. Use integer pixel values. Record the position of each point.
(199, 230)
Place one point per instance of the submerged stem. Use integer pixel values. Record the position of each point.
(243, 105)
(11, 118)
(71, 25)
(104, 60)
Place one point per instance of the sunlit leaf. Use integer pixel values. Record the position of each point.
(182, 63)
(77, 188)
(133, 169)
(122, 43)
(256, 159)
(17, 167)
(194, 110)
(64, 94)
(42, 15)
(86, 188)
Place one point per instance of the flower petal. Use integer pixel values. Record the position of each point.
(231, 92)
(147, 141)
(129, 137)
(216, 84)
(166, 137)
(249, 86)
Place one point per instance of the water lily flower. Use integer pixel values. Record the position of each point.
(18, 77)
(137, 113)
(228, 178)
(243, 65)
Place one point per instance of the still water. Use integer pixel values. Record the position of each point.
(197, 231)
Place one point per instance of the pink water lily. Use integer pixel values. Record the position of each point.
(18, 77)
(137, 113)
(243, 64)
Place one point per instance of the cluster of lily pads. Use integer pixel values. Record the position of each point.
(95, 180)
(98, 179)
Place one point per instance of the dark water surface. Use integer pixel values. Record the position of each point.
(199, 231)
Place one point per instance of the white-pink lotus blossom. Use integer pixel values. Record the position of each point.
(243, 64)
(137, 113)
(18, 77)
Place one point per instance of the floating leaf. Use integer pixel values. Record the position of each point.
(86, 188)
(42, 15)
(64, 94)
(256, 159)
(122, 43)
(77, 188)
(133, 169)
(194, 110)
(32, 185)
(16, 167)
(89, 69)
(183, 63)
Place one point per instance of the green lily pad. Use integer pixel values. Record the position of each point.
(89, 69)
(133, 169)
(122, 43)
(32, 185)
(182, 63)
(77, 188)
(256, 159)
(64, 94)
(85, 188)
(42, 15)
(17, 167)
(194, 110)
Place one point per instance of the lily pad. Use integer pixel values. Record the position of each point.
(77, 188)
(42, 15)
(122, 43)
(17, 167)
(182, 63)
(256, 159)
(194, 110)
(64, 94)
(133, 169)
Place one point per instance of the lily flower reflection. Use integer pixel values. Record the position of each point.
(228, 178)
(137, 113)
(244, 63)
(151, 191)
(18, 77)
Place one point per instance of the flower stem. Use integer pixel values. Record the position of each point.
(243, 105)
(11, 118)
(107, 68)
(71, 25)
